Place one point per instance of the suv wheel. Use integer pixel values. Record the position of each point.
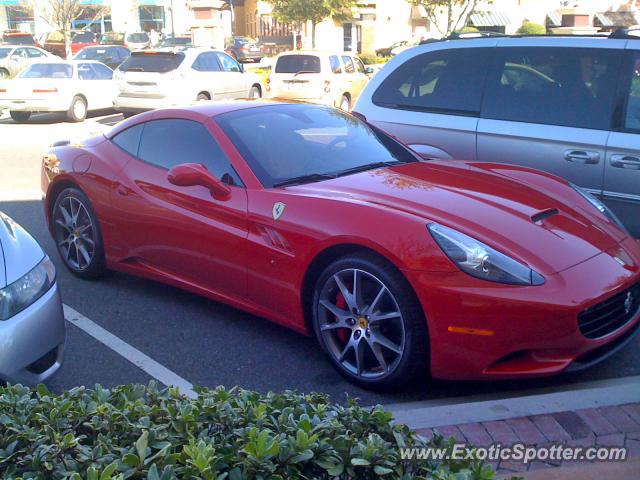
(20, 116)
(78, 110)
(345, 103)
(255, 92)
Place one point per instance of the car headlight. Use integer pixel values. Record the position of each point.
(25, 291)
(481, 261)
(597, 203)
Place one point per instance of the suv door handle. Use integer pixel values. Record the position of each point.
(625, 161)
(582, 156)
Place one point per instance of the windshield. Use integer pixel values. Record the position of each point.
(159, 62)
(112, 37)
(283, 142)
(92, 53)
(4, 52)
(298, 63)
(48, 70)
(170, 42)
(138, 37)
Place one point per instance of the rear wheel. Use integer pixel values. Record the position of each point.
(367, 319)
(20, 116)
(202, 97)
(4, 73)
(345, 103)
(78, 110)
(255, 92)
(77, 234)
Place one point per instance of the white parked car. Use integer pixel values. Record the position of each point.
(152, 79)
(74, 87)
(327, 78)
(15, 58)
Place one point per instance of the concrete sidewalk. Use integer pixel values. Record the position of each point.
(617, 426)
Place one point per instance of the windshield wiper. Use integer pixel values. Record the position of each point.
(368, 166)
(312, 177)
(303, 71)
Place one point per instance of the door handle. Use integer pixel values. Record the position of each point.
(625, 161)
(582, 156)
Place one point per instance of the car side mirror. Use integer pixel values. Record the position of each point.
(190, 174)
(241, 68)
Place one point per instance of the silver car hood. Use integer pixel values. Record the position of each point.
(19, 251)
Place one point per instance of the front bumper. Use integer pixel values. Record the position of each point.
(503, 331)
(32, 342)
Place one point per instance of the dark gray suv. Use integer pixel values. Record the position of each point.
(566, 105)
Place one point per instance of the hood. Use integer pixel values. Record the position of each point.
(19, 252)
(502, 212)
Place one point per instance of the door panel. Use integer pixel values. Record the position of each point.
(572, 153)
(622, 167)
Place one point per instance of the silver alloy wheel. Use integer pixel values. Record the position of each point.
(75, 234)
(361, 323)
(79, 108)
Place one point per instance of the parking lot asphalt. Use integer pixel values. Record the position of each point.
(202, 341)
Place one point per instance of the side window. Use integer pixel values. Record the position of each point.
(33, 53)
(554, 86)
(102, 72)
(359, 65)
(20, 52)
(632, 117)
(348, 64)
(206, 62)
(334, 61)
(85, 72)
(228, 63)
(447, 81)
(129, 139)
(164, 145)
(124, 53)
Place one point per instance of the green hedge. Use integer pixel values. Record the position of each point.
(156, 434)
(530, 28)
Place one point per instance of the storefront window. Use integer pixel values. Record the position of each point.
(20, 18)
(151, 16)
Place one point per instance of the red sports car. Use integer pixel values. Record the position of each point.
(313, 219)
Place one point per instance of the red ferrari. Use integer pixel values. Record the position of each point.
(313, 219)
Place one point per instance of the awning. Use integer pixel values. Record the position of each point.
(615, 19)
(489, 19)
(554, 19)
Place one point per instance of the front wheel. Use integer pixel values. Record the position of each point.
(255, 92)
(367, 319)
(77, 234)
(78, 110)
(345, 103)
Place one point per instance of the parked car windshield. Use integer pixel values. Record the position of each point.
(138, 37)
(159, 62)
(4, 52)
(48, 70)
(19, 40)
(92, 53)
(84, 37)
(284, 142)
(112, 37)
(177, 41)
(298, 63)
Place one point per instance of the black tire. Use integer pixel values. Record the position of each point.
(255, 92)
(77, 110)
(412, 363)
(96, 267)
(4, 73)
(20, 116)
(202, 97)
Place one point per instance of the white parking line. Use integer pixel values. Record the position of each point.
(456, 411)
(135, 356)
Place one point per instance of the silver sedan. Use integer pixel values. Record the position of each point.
(32, 329)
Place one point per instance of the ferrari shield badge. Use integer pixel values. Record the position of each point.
(278, 210)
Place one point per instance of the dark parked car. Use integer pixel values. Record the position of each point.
(110, 55)
(15, 37)
(244, 49)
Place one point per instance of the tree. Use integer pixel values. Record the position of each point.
(61, 14)
(530, 28)
(457, 13)
(300, 11)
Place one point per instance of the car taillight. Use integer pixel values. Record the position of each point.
(327, 86)
(244, 49)
(45, 90)
(3, 90)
